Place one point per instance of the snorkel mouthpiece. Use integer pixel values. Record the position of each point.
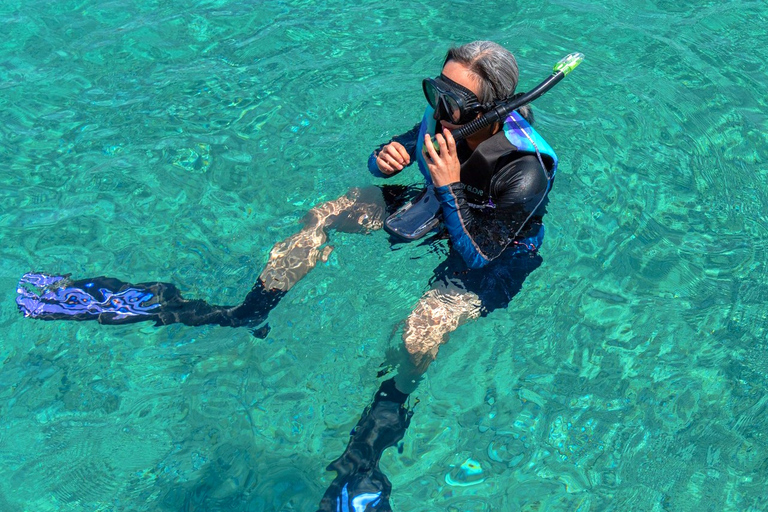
(568, 63)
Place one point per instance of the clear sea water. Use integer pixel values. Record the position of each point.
(177, 141)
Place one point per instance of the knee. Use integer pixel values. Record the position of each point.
(425, 329)
(436, 314)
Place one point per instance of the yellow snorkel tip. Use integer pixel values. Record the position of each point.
(569, 63)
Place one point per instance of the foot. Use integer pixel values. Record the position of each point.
(362, 492)
(51, 297)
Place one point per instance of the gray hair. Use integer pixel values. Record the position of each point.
(494, 66)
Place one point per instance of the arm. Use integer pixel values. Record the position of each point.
(390, 158)
(481, 234)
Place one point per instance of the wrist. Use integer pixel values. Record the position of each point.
(447, 193)
(444, 182)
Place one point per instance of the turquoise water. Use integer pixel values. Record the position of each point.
(177, 141)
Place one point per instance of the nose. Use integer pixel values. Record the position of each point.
(436, 114)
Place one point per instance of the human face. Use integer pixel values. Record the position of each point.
(460, 74)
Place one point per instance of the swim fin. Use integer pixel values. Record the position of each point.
(360, 486)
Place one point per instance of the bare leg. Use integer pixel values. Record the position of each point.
(360, 210)
(437, 313)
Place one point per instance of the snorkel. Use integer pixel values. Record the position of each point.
(501, 111)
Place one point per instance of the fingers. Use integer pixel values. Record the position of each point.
(386, 164)
(430, 149)
(391, 161)
(392, 158)
(442, 144)
(405, 158)
(443, 163)
(451, 143)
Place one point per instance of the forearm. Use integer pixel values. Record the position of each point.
(456, 217)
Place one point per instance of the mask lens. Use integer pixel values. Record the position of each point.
(431, 93)
(444, 100)
(453, 110)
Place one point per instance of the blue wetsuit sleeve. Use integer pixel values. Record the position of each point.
(454, 206)
(408, 139)
(481, 233)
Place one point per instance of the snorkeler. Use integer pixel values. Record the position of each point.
(490, 189)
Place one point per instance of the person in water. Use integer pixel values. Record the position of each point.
(492, 189)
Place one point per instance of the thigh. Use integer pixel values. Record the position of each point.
(364, 209)
(438, 313)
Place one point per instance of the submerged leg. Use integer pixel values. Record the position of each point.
(111, 301)
(359, 484)
(456, 299)
(360, 210)
(437, 313)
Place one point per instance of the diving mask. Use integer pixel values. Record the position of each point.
(452, 101)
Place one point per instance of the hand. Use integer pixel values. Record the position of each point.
(392, 158)
(445, 167)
